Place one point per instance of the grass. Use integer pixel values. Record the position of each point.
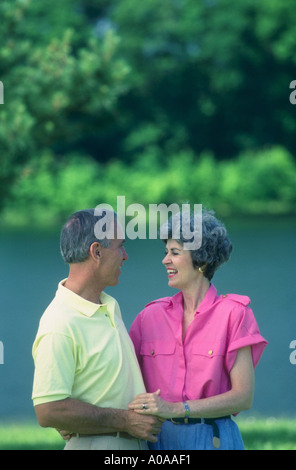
(258, 434)
(268, 434)
(29, 437)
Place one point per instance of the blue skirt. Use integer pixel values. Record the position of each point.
(198, 436)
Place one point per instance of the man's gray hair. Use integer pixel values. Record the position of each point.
(78, 234)
(216, 246)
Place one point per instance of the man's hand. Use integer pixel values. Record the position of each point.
(74, 416)
(143, 427)
(66, 435)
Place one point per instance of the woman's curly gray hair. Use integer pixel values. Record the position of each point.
(216, 246)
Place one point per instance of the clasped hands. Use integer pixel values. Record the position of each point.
(153, 404)
(145, 404)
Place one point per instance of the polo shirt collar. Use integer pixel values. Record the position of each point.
(84, 306)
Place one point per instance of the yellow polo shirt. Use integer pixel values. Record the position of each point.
(82, 350)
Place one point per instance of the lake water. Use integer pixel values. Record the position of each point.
(262, 266)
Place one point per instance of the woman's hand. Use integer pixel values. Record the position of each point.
(153, 404)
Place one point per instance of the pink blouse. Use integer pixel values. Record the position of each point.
(199, 366)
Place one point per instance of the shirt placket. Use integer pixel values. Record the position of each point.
(180, 366)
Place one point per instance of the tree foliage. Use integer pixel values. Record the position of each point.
(215, 72)
(256, 183)
(126, 83)
(59, 90)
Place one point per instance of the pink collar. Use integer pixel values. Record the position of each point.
(207, 302)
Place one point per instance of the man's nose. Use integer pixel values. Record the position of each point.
(125, 255)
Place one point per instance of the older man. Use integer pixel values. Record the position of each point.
(86, 371)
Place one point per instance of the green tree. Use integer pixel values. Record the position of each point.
(145, 89)
(60, 86)
(215, 72)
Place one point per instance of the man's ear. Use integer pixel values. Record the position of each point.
(95, 251)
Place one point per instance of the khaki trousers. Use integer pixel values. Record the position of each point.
(105, 443)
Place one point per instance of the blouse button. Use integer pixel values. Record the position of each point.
(210, 352)
(152, 352)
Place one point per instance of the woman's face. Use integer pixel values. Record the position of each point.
(178, 263)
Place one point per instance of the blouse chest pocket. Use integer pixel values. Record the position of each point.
(209, 349)
(157, 348)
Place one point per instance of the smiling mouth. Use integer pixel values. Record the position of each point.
(171, 272)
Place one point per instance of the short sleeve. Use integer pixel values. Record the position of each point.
(135, 335)
(54, 368)
(243, 331)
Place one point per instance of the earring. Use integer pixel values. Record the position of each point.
(201, 270)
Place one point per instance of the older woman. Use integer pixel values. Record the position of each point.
(197, 350)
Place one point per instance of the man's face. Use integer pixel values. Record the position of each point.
(112, 259)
